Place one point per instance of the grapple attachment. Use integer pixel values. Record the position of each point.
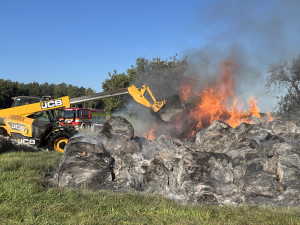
(171, 110)
(166, 110)
(138, 96)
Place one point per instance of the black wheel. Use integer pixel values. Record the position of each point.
(3, 132)
(59, 140)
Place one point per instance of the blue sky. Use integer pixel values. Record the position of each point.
(79, 41)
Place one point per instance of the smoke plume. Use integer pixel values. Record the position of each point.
(259, 32)
(242, 37)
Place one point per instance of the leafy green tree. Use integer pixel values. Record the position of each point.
(8, 89)
(47, 89)
(90, 104)
(161, 75)
(72, 91)
(60, 90)
(284, 81)
(114, 82)
(34, 89)
(82, 91)
(23, 90)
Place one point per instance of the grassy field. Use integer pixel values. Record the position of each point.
(24, 199)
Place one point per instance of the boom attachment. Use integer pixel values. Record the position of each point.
(138, 96)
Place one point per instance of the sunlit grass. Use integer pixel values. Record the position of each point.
(25, 199)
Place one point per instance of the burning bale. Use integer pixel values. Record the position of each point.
(198, 102)
(247, 164)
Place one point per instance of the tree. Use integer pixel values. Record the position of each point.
(284, 81)
(60, 90)
(8, 89)
(163, 77)
(34, 89)
(115, 81)
(72, 91)
(94, 103)
(47, 89)
(23, 89)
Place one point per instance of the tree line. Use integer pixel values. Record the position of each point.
(9, 89)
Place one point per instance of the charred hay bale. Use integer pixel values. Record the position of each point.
(207, 177)
(84, 165)
(117, 127)
(156, 168)
(99, 162)
(265, 160)
(284, 127)
(218, 137)
(120, 146)
(249, 164)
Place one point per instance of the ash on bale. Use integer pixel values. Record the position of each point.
(249, 164)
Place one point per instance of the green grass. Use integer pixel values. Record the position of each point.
(24, 199)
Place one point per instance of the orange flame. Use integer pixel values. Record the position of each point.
(185, 92)
(209, 108)
(237, 116)
(254, 110)
(216, 102)
(151, 136)
(219, 103)
(270, 117)
(186, 88)
(212, 103)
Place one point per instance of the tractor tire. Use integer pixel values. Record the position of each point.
(59, 140)
(3, 132)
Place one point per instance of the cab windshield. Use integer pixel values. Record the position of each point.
(24, 100)
(46, 116)
(70, 114)
(81, 113)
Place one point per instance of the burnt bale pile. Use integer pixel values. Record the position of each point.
(249, 164)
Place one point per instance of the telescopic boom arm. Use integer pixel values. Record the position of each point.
(138, 96)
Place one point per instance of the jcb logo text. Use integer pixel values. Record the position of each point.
(16, 126)
(51, 104)
(26, 141)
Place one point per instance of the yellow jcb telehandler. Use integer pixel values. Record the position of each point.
(37, 123)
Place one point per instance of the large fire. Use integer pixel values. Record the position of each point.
(219, 103)
(215, 102)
